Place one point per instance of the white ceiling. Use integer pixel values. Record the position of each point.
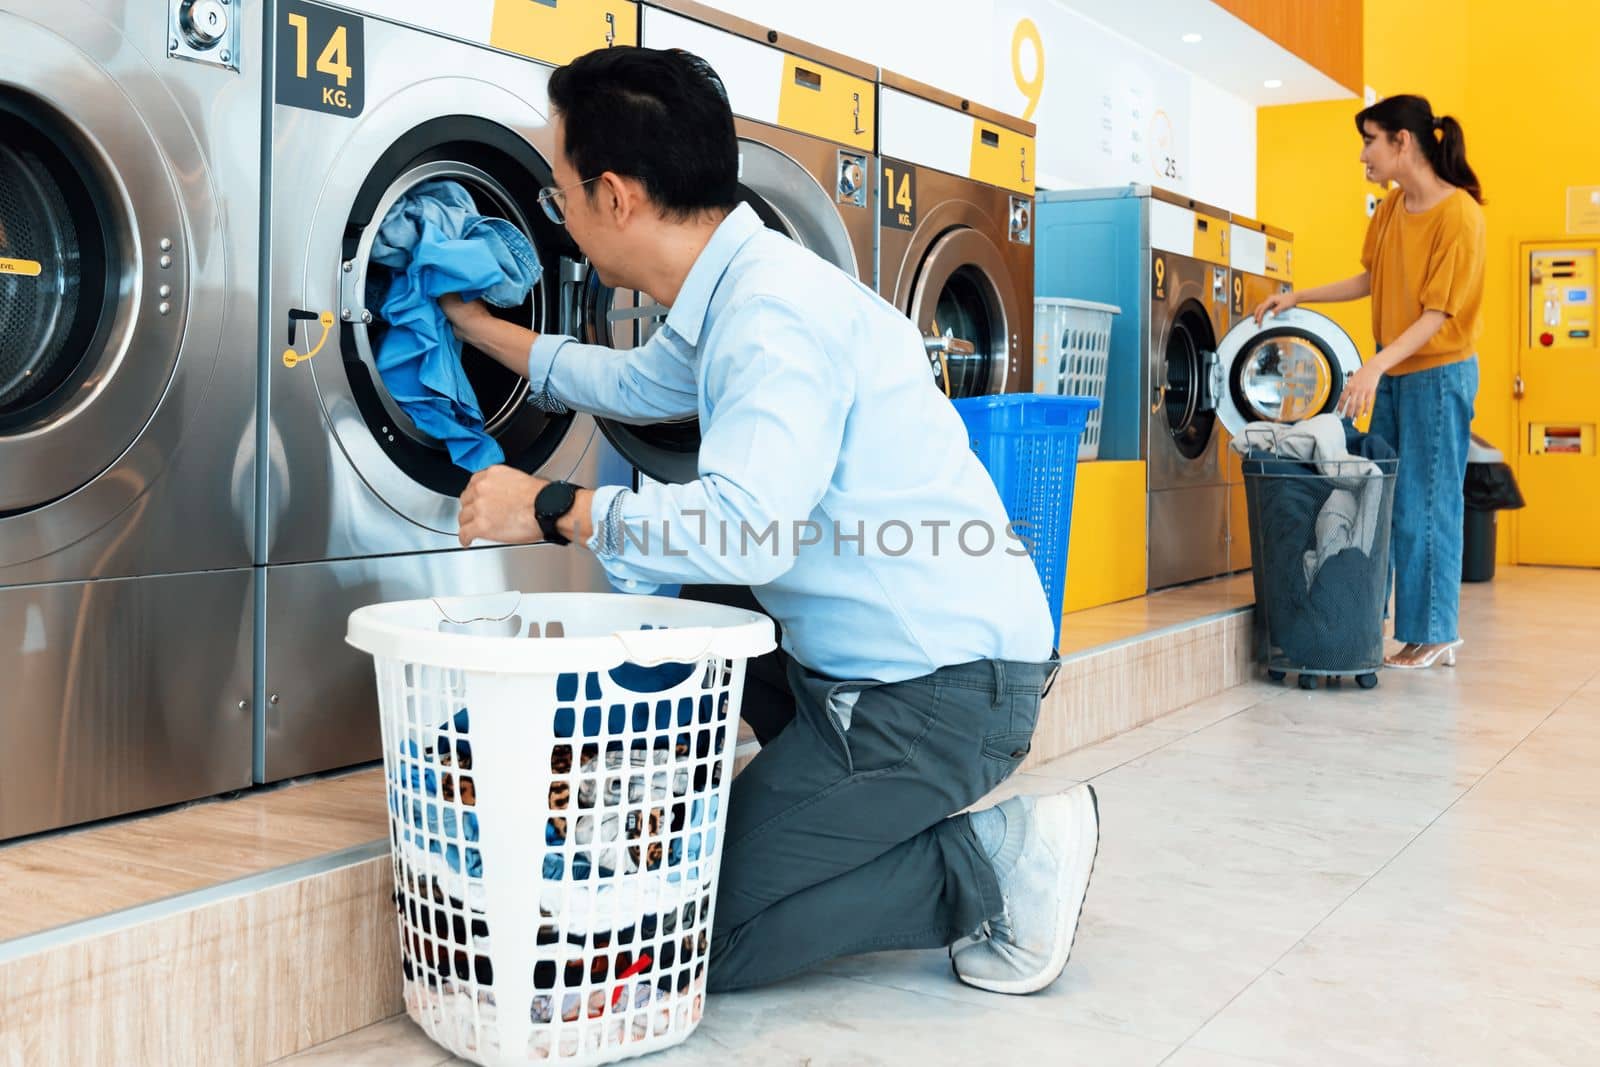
(1232, 54)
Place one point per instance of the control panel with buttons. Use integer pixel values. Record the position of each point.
(1561, 298)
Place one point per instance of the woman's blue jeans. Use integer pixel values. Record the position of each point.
(1427, 417)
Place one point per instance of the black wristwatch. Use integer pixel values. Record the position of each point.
(553, 502)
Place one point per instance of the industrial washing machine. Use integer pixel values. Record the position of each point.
(1262, 262)
(129, 178)
(804, 117)
(358, 504)
(1163, 259)
(955, 236)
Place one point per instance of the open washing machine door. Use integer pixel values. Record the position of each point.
(1288, 369)
(790, 201)
(474, 137)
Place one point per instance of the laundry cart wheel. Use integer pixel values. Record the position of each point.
(1367, 681)
(1277, 676)
(1308, 681)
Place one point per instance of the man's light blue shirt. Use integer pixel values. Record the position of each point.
(835, 478)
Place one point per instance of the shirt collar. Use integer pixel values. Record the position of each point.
(688, 315)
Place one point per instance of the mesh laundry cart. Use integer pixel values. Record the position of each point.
(1072, 339)
(558, 769)
(1321, 563)
(1029, 445)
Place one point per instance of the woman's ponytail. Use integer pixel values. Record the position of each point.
(1449, 157)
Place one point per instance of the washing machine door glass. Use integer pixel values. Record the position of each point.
(53, 279)
(958, 302)
(1289, 369)
(500, 177)
(1186, 389)
(95, 253)
(788, 200)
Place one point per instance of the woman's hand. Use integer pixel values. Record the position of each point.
(1360, 392)
(1275, 304)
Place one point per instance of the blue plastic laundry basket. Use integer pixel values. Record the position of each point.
(1029, 444)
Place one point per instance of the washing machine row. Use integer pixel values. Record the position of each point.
(1188, 365)
(186, 515)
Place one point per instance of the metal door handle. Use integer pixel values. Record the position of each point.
(1518, 389)
(858, 113)
(1160, 394)
(291, 358)
(949, 345)
(611, 29)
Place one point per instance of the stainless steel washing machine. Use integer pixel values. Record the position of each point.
(1189, 283)
(129, 174)
(955, 240)
(805, 121)
(359, 504)
(1262, 262)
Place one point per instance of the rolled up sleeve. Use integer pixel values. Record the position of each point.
(653, 382)
(777, 411)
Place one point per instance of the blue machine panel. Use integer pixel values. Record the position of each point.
(1097, 249)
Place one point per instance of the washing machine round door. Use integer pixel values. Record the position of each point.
(476, 144)
(789, 201)
(964, 313)
(1185, 386)
(1288, 369)
(96, 249)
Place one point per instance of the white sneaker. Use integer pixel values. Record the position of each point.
(1026, 948)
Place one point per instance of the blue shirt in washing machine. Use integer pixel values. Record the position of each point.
(835, 478)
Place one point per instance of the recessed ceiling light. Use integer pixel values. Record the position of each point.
(1192, 38)
(1273, 83)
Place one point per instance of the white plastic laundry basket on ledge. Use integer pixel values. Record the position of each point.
(558, 769)
(1072, 344)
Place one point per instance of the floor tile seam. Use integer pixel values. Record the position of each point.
(1011, 1005)
(1356, 891)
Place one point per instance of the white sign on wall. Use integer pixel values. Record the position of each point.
(1109, 112)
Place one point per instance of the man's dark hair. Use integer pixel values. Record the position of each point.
(659, 116)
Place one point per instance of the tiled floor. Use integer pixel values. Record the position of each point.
(1408, 876)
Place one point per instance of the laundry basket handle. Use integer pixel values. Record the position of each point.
(678, 644)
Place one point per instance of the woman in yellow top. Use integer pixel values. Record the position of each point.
(1424, 262)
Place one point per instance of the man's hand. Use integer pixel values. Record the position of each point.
(466, 318)
(498, 506)
(1360, 391)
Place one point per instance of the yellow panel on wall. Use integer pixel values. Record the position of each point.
(560, 32)
(1107, 557)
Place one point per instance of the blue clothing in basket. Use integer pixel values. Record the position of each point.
(435, 242)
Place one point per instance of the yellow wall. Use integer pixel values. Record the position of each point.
(1489, 63)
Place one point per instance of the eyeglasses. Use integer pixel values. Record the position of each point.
(552, 200)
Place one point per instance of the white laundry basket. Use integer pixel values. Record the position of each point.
(558, 769)
(1072, 345)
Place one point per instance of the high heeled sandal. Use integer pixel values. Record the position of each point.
(1445, 652)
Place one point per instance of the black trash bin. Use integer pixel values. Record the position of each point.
(1490, 488)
